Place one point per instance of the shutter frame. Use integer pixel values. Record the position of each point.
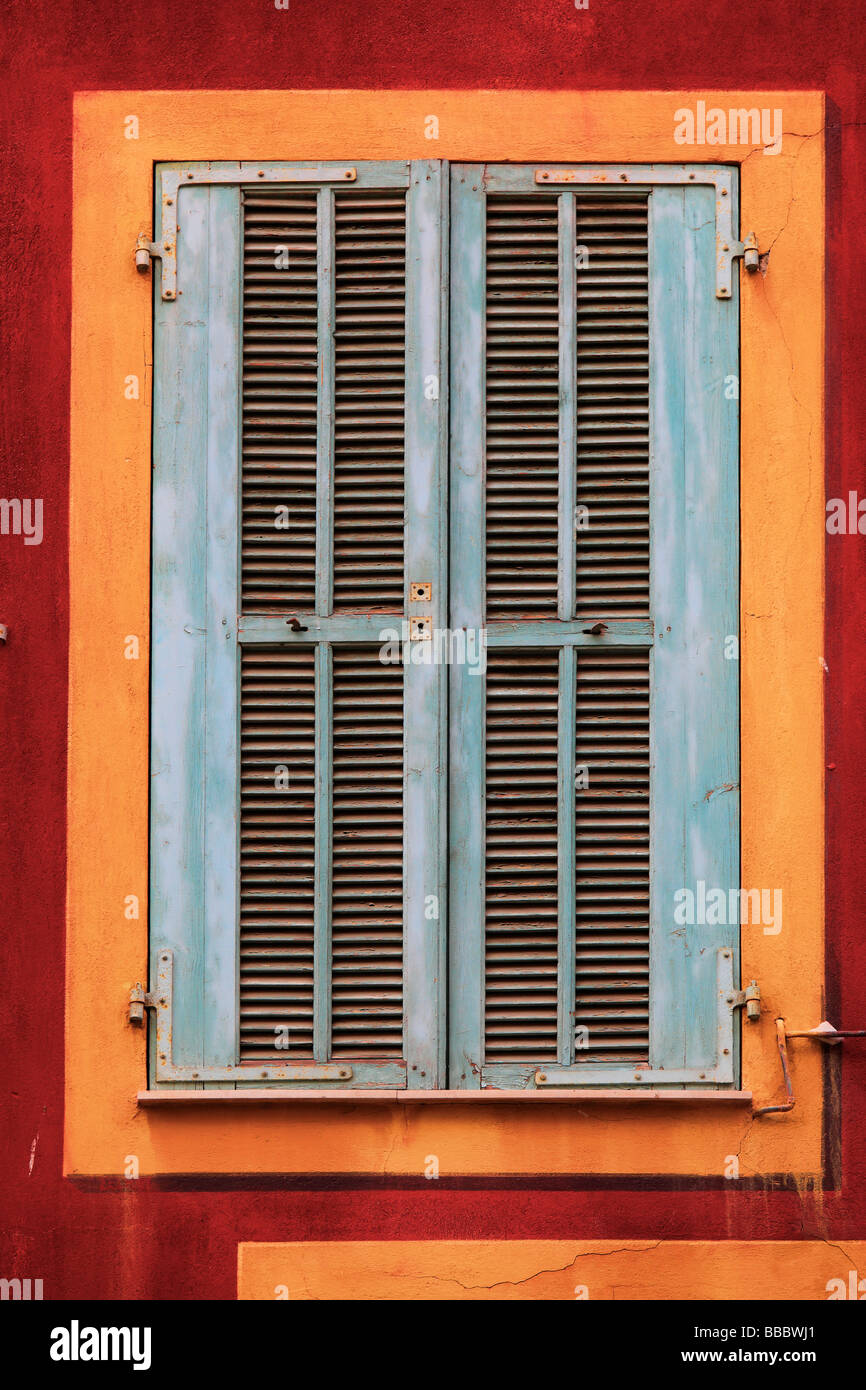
(693, 1038)
(196, 605)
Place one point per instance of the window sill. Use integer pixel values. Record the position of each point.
(583, 1096)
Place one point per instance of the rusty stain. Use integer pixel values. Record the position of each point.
(725, 787)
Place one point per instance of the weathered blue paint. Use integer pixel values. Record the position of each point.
(694, 774)
(466, 734)
(222, 704)
(566, 887)
(179, 630)
(323, 838)
(194, 705)
(424, 868)
(547, 632)
(268, 628)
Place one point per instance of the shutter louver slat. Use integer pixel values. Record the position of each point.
(277, 857)
(280, 370)
(523, 973)
(522, 406)
(521, 857)
(612, 856)
(367, 890)
(612, 328)
(370, 351)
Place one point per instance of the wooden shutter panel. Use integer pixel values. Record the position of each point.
(575, 817)
(329, 970)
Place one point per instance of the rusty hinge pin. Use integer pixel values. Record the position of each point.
(138, 1002)
(751, 255)
(751, 998)
(146, 251)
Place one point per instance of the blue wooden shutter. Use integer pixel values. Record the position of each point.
(297, 812)
(594, 773)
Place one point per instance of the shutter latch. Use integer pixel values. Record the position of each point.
(138, 1002)
(751, 997)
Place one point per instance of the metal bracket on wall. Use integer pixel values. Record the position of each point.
(823, 1032)
(166, 1070)
(175, 179)
(728, 248)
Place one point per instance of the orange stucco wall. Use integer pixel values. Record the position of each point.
(781, 638)
(563, 1270)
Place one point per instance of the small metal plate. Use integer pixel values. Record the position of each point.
(167, 1070)
(420, 593)
(206, 173)
(420, 629)
(645, 175)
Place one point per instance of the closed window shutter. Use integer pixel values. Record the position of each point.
(299, 901)
(306, 940)
(594, 450)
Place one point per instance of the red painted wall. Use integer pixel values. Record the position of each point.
(111, 1243)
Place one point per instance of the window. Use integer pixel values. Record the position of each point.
(445, 571)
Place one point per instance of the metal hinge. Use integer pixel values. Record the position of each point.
(748, 249)
(751, 997)
(172, 180)
(138, 1002)
(166, 1069)
(635, 175)
(147, 251)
